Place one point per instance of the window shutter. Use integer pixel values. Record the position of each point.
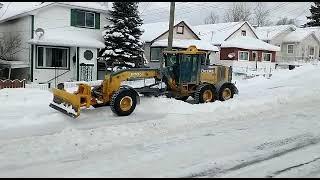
(73, 17)
(97, 23)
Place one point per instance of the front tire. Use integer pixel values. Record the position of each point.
(123, 102)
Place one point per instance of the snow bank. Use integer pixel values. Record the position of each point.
(161, 131)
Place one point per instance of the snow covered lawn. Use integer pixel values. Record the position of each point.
(270, 129)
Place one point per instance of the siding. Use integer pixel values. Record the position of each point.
(187, 34)
(225, 51)
(246, 28)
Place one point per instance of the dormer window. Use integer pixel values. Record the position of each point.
(180, 29)
(243, 33)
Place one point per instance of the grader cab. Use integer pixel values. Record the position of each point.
(186, 73)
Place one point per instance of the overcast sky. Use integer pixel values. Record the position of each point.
(196, 12)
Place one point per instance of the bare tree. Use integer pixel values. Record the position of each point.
(238, 12)
(212, 18)
(9, 46)
(285, 21)
(261, 15)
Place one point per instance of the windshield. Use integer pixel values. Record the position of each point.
(170, 59)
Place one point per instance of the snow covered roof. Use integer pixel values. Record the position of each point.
(68, 38)
(299, 34)
(154, 30)
(246, 42)
(315, 29)
(12, 10)
(269, 32)
(217, 33)
(185, 43)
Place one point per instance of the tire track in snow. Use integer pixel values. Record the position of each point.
(290, 168)
(215, 172)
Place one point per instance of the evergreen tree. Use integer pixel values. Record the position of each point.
(315, 15)
(122, 36)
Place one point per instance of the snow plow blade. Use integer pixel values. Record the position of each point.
(66, 102)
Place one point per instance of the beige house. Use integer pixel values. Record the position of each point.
(155, 39)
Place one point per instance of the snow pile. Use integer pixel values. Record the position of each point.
(179, 139)
(247, 42)
(185, 43)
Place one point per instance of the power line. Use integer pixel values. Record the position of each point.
(5, 10)
(144, 8)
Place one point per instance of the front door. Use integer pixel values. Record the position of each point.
(87, 64)
(255, 58)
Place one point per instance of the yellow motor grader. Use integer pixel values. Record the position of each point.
(185, 73)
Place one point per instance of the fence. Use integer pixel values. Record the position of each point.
(12, 83)
(296, 60)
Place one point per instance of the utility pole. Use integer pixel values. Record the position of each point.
(171, 22)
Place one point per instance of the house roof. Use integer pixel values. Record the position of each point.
(153, 30)
(13, 10)
(315, 29)
(68, 38)
(269, 32)
(217, 33)
(185, 43)
(299, 34)
(246, 42)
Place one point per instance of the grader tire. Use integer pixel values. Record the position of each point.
(226, 93)
(123, 102)
(205, 93)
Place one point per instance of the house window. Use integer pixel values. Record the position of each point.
(243, 33)
(290, 49)
(267, 56)
(180, 29)
(156, 54)
(85, 19)
(311, 51)
(52, 57)
(244, 55)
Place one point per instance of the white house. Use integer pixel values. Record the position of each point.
(60, 40)
(155, 37)
(295, 43)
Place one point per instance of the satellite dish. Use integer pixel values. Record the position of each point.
(39, 32)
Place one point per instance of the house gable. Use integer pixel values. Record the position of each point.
(245, 27)
(20, 10)
(188, 33)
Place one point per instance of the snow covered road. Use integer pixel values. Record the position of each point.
(272, 125)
